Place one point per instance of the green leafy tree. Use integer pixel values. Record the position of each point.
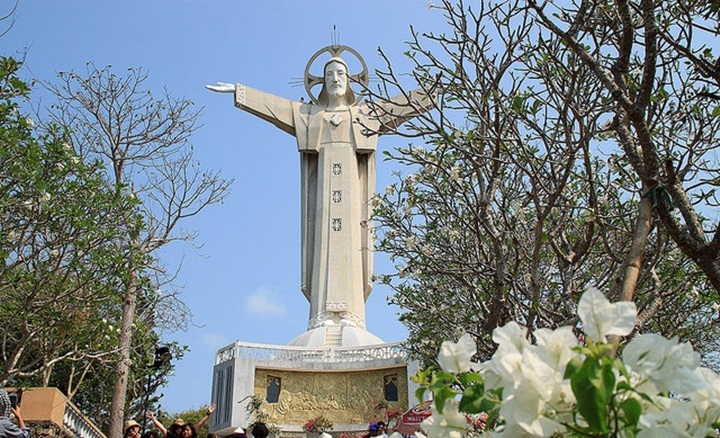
(65, 260)
(146, 142)
(656, 66)
(60, 239)
(525, 193)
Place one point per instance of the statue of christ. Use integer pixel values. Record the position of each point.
(337, 138)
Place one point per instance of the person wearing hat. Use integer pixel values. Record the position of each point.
(132, 429)
(179, 426)
(175, 429)
(7, 427)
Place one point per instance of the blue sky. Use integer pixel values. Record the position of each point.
(244, 282)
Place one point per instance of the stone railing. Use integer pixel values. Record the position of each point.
(78, 424)
(50, 414)
(288, 353)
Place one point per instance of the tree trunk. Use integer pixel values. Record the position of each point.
(117, 409)
(632, 266)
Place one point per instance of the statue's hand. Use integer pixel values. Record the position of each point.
(222, 87)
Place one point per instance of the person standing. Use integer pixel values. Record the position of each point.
(132, 429)
(8, 428)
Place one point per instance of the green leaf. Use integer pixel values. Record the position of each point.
(593, 385)
(443, 394)
(632, 410)
(470, 378)
(473, 400)
(517, 103)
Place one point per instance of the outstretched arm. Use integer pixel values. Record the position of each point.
(206, 417)
(156, 423)
(271, 108)
(221, 87)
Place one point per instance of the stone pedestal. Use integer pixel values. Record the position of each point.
(300, 383)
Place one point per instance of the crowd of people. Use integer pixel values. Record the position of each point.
(17, 428)
(182, 429)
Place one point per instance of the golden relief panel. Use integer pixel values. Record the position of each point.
(344, 397)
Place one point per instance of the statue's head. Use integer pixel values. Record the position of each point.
(336, 83)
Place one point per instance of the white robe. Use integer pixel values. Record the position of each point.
(337, 150)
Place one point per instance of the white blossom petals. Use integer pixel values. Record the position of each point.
(455, 357)
(600, 317)
(450, 424)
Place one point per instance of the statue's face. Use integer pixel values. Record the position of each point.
(336, 79)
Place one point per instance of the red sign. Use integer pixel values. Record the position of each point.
(417, 414)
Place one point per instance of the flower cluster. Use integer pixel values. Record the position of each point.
(558, 386)
(318, 424)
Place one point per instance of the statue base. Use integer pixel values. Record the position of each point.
(295, 383)
(336, 335)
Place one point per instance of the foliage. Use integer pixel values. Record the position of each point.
(63, 240)
(318, 424)
(560, 386)
(388, 412)
(61, 243)
(526, 190)
(145, 141)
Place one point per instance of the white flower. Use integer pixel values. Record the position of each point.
(556, 346)
(389, 190)
(670, 364)
(450, 424)
(670, 420)
(29, 121)
(455, 174)
(600, 317)
(412, 242)
(45, 197)
(510, 338)
(455, 357)
(59, 166)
